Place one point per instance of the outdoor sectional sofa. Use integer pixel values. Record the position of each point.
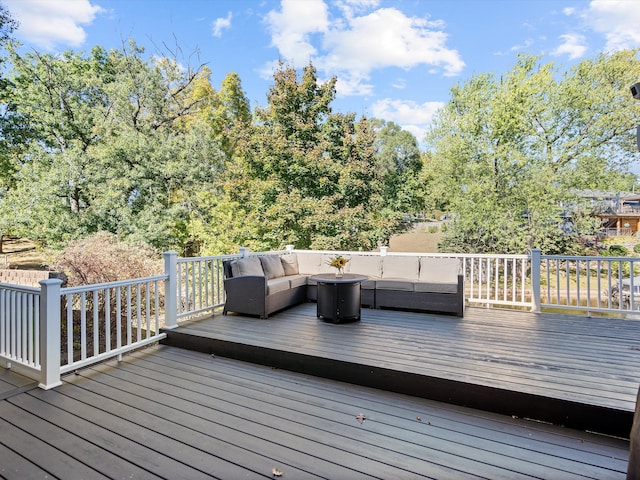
(262, 284)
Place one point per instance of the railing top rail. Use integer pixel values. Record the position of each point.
(421, 254)
(19, 288)
(590, 258)
(211, 257)
(121, 283)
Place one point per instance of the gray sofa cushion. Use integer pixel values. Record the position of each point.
(435, 287)
(290, 264)
(439, 270)
(398, 267)
(276, 285)
(297, 280)
(308, 263)
(247, 266)
(395, 284)
(272, 266)
(369, 265)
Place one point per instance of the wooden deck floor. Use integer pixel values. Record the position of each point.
(176, 414)
(566, 369)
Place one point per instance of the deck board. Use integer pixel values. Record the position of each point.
(581, 361)
(165, 412)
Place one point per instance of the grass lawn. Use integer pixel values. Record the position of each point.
(415, 241)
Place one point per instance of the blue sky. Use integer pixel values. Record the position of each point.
(394, 59)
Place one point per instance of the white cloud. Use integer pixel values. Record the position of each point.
(573, 45)
(48, 23)
(411, 116)
(617, 20)
(354, 44)
(220, 24)
(388, 38)
(292, 26)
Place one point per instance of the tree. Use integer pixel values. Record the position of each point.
(7, 170)
(507, 154)
(309, 177)
(106, 148)
(400, 160)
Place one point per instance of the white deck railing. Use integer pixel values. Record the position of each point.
(20, 325)
(607, 285)
(106, 320)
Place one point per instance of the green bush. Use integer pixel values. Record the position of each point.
(617, 251)
(636, 248)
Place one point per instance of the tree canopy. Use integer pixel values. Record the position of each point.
(509, 154)
(139, 146)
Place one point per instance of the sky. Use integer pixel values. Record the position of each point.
(394, 59)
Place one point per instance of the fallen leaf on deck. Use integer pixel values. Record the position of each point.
(276, 473)
(360, 417)
(419, 419)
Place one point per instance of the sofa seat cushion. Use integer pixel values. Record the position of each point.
(272, 266)
(439, 287)
(369, 265)
(368, 285)
(276, 285)
(247, 266)
(296, 281)
(400, 267)
(395, 284)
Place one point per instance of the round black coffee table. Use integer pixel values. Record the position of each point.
(338, 297)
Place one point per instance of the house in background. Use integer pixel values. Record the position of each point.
(620, 214)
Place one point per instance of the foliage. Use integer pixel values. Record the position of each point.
(636, 248)
(617, 251)
(507, 154)
(103, 146)
(101, 257)
(306, 176)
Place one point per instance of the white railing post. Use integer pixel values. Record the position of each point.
(289, 248)
(384, 250)
(50, 332)
(535, 279)
(244, 251)
(171, 290)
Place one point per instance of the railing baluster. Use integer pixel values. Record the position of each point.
(107, 319)
(70, 328)
(83, 326)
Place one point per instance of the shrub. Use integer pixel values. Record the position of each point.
(617, 251)
(636, 248)
(101, 257)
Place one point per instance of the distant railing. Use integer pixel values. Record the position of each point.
(618, 232)
(52, 330)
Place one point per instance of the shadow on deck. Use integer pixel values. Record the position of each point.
(567, 370)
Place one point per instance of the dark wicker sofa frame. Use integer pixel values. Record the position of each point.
(247, 295)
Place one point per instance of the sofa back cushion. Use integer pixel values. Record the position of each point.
(404, 267)
(272, 266)
(309, 263)
(439, 270)
(290, 264)
(369, 265)
(247, 266)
